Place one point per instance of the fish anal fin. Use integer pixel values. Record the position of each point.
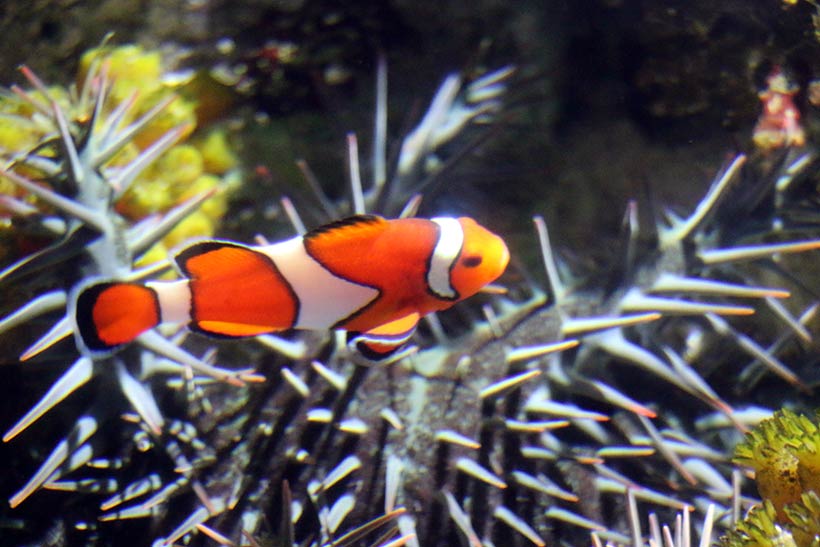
(381, 342)
(226, 329)
(401, 328)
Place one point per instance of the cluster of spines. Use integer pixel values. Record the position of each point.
(501, 371)
(77, 181)
(699, 468)
(87, 201)
(543, 382)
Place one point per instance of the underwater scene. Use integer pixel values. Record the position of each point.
(280, 273)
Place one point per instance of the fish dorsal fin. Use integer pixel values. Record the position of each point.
(236, 290)
(357, 226)
(212, 258)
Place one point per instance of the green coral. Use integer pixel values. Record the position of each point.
(804, 519)
(760, 528)
(783, 451)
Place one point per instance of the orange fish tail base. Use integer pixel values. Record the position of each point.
(110, 314)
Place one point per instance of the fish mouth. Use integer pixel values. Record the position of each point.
(504, 259)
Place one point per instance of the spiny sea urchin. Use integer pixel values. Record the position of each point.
(77, 173)
(495, 431)
(70, 171)
(488, 428)
(479, 434)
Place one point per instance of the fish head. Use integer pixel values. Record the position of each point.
(484, 257)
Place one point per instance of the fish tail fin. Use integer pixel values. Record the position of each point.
(108, 314)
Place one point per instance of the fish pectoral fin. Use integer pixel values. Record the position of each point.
(382, 341)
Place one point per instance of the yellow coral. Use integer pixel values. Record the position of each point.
(183, 171)
(129, 66)
(17, 133)
(128, 153)
(7, 188)
(181, 165)
(146, 197)
(21, 131)
(194, 225)
(214, 207)
(155, 254)
(181, 113)
(217, 153)
(135, 71)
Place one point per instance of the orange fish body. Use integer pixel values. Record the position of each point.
(369, 276)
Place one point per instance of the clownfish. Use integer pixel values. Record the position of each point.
(372, 277)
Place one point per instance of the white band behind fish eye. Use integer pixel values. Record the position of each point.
(448, 247)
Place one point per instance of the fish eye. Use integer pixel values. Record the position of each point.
(471, 261)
